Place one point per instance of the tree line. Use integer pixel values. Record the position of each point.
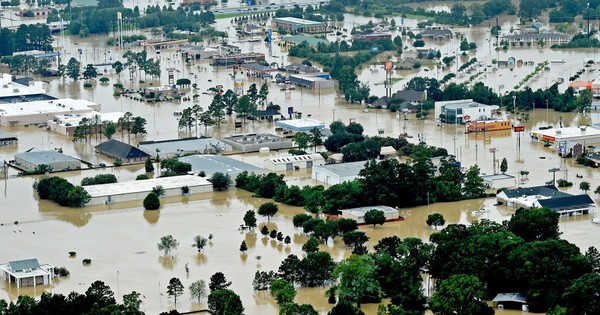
(25, 37)
(61, 191)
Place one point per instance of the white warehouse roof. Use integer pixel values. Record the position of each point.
(146, 185)
(296, 158)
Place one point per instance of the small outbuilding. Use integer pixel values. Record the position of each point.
(126, 152)
(32, 158)
(515, 301)
(210, 164)
(358, 214)
(298, 125)
(294, 162)
(7, 139)
(27, 272)
(249, 142)
(499, 181)
(337, 173)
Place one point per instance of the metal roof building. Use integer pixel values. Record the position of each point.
(304, 124)
(187, 146)
(117, 149)
(27, 272)
(211, 164)
(58, 161)
(291, 162)
(358, 214)
(337, 173)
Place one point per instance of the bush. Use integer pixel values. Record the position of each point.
(564, 183)
(151, 202)
(87, 261)
(99, 179)
(87, 85)
(142, 177)
(185, 190)
(220, 181)
(61, 272)
(118, 162)
(72, 254)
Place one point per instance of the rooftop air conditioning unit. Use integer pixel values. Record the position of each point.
(558, 132)
(16, 90)
(583, 127)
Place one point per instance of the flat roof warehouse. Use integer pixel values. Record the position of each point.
(146, 185)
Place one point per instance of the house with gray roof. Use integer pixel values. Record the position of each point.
(436, 33)
(181, 147)
(27, 273)
(547, 196)
(117, 149)
(299, 68)
(33, 158)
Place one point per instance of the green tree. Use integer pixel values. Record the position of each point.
(132, 303)
(198, 290)
(537, 224)
(315, 138)
(139, 126)
(148, 166)
(311, 245)
(268, 210)
(151, 202)
(244, 107)
(200, 242)
(435, 220)
(73, 68)
(302, 139)
(167, 243)
(216, 111)
(230, 99)
(355, 280)
(250, 219)
(583, 102)
(221, 181)
(175, 289)
(375, 217)
(243, 247)
(77, 197)
(263, 94)
(345, 308)
(356, 240)
(218, 282)
(90, 72)
(283, 291)
(460, 294)
(225, 302)
(582, 296)
(585, 186)
(295, 309)
(503, 166)
(473, 186)
(252, 93)
(109, 130)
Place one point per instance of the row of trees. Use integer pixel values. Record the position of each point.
(25, 37)
(99, 180)
(95, 127)
(61, 191)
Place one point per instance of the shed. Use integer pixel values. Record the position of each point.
(291, 162)
(297, 125)
(7, 139)
(337, 173)
(27, 272)
(510, 300)
(358, 214)
(59, 162)
(117, 149)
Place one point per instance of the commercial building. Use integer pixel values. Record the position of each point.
(299, 68)
(210, 164)
(39, 112)
(198, 52)
(7, 139)
(181, 147)
(298, 125)
(358, 214)
(499, 181)
(296, 25)
(249, 142)
(373, 36)
(238, 59)
(294, 162)
(548, 39)
(337, 173)
(313, 81)
(461, 111)
(118, 150)
(59, 162)
(436, 34)
(66, 124)
(27, 273)
(139, 189)
(21, 90)
(547, 197)
(582, 134)
(293, 40)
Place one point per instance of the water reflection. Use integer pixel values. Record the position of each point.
(168, 262)
(152, 216)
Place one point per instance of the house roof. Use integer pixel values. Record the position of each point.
(120, 149)
(311, 40)
(410, 95)
(566, 202)
(382, 101)
(25, 264)
(296, 158)
(257, 67)
(344, 169)
(547, 190)
(388, 150)
(436, 32)
(36, 157)
(301, 68)
(510, 297)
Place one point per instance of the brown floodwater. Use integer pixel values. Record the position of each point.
(121, 238)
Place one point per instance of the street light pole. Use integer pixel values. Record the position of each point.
(588, 18)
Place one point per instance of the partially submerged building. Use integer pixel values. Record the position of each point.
(33, 158)
(547, 197)
(300, 125)
(249, 142)
(461, 111)
(313, 81)
(295, 25)
(7, 139)
(66, 124)
(358, 214)
(210, 164)
(27, 272)
(496, 181)
(294, 162)
(39, 112)
(139, 189)
(180, 147)
(119, 150)
(337, 173)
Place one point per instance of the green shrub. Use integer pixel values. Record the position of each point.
(151, 202)
(142, 177)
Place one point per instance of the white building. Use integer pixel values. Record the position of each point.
(499, 181)
(66, 124)
(27, 273)
(59, 162)
(461, 111)
(11, 89)
(139, 189)
(294, 162)
(298, 125)
(358, 214)
(548, 197)
(39, 112)
(337, 173)
(582, 134)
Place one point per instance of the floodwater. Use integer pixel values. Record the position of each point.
(49, 232)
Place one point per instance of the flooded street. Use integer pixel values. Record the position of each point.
(120, 239)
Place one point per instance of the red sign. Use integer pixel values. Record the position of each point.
(492, 150)
(518, 128)
(466, 117)
(389, 65)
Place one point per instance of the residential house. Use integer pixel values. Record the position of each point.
(118, 150)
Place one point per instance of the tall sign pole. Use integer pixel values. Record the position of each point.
(389, 66)
(493, 151)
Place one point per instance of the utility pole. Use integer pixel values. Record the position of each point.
(588, 18)
(493, 151)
